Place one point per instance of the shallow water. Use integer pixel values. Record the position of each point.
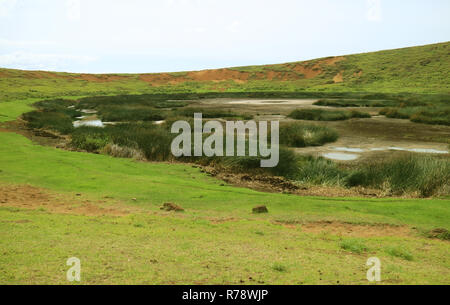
(274, 102)
(347, 149)
(420, 150)
(416, 150)
(88, 111)
(341, 156)
(90, 123)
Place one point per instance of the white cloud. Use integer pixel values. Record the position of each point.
(4, 43)
(234, 27)
(374, 11)
(32, 61)
(6, 7)
(73, 10)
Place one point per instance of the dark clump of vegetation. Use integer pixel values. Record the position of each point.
(427, 176)
(355, 103)
(56, 115)
(301, 135)
(400, 252)
(326, 115)
(319, 171)
(423, 174)
(212, 113)
(439, 233)
(91, 139)
(438, 115)
(52, 120)
(130, 114)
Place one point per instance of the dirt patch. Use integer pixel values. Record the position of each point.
(308, 72)
(222, 220)
(358, 74)
(331, 61)
(351, 230)
(339, 78)
(293, 72)
(28, 197)
(171, 207)
(218, 75)
(101, 78)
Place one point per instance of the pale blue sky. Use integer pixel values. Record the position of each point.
(133, 36)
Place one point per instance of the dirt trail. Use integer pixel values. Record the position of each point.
(352, 230)
(28, 197)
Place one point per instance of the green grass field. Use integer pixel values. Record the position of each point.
(217, 240)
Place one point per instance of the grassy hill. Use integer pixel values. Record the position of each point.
(56, 204)
(424, 69)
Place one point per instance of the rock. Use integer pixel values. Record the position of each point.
(246, 178)
(171, 207)
(134, 199)
(260, 209)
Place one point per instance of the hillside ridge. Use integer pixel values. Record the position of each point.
(422, 69)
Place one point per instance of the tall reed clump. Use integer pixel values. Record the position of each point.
(301, 135)
(91, 139)
(319, 171)
(130, 113)
(436, 115)
(423, 174)
(52, 120)
(326, 115)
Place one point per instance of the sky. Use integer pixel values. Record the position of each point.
(139, 36)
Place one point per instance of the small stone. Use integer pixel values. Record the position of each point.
(171, 207)
(260, 209)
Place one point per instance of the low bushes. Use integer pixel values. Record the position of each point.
(427, 115)
(301, 135)
(355, 103)
(130, 114)
(423, 174)
(326, 115)
(49, 120)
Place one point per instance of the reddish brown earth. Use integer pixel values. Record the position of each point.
(32, 198)
(350, 229)
(289, 72)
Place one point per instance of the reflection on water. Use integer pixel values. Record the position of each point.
(355, 150)
(420, 150)
(416, 150)
(90, 123)
(341, 156)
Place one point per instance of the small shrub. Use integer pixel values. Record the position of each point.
(439, 233)
(400, 252)
(279, 267)
(354, 245)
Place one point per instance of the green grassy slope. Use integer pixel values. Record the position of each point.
(216, 241)
(423, 69)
